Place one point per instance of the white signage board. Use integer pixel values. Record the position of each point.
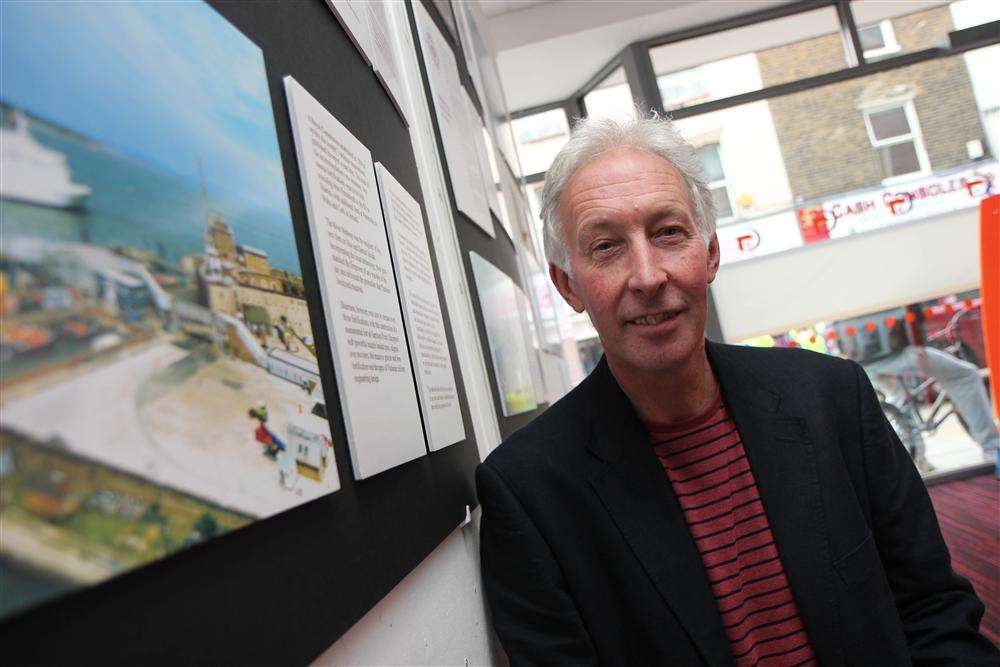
(353, 17)
(872, 209)
(385, 56)
(359, 294)
(368, 24)
(422, 312)
(453, 119)
(759, 237)
(491, 178)
(509, 203)
(467, 25)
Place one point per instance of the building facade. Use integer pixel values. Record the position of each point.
(871, 131)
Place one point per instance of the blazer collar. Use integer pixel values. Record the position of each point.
(636, 493)
(635, 490)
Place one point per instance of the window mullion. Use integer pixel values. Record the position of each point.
(853, 52)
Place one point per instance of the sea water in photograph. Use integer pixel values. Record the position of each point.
(159, 377)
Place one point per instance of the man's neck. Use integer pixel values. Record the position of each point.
(673, 395)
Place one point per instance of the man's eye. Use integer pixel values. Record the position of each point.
(602, 246)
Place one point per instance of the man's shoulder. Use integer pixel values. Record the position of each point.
(786, 364)
(559, 434)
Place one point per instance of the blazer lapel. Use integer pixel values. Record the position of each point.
(780, 451)
(633, 487)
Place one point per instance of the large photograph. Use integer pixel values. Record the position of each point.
(159, 377)
(507, 334)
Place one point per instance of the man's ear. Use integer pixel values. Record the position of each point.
(564, 284)
(713, 257)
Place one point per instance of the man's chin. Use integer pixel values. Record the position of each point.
(648, 364)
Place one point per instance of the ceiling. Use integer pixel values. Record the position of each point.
(547, 49)
(493, 8)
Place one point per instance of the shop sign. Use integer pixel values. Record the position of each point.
(876, 208)
(763, 236)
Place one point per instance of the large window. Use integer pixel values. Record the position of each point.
(838, 151)
(850, 156)
(731, 62)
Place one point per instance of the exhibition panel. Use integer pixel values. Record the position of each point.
(360, 298)
(161, 384)
(444, 85)
(505, 327)
(202, 331)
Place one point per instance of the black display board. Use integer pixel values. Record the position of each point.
(499, 251)
(282, 590)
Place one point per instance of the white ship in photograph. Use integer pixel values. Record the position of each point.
(32, 173)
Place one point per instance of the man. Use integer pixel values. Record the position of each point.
(697, 503)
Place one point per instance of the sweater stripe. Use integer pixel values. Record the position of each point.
(707, 466)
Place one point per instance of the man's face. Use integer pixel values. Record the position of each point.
(639, 263)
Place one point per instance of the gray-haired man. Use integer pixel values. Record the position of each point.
(691, 502)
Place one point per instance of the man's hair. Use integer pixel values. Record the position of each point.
(593, 136)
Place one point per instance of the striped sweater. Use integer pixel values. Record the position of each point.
(708, 468)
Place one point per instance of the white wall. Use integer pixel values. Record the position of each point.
(435, 616)
(849, 276)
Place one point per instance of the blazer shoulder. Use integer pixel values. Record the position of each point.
(559, 432)
(787, 363)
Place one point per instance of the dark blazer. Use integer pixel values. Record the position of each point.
(586, 556)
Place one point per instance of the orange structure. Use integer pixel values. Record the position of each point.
(989, 249)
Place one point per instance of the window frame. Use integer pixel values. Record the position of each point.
(915, 136)
(889, 43)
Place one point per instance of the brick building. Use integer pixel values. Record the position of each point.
(859, 133)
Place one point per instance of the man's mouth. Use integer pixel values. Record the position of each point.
(655, 318)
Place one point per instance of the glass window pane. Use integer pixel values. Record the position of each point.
(900, 159)
(538, 138)
(744, 59)
(711, 163)
(939, 342)
(889, 123)
(723, 209)
(871, 37)
(611, 98)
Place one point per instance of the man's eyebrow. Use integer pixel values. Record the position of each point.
(595, 225)
(669, 211)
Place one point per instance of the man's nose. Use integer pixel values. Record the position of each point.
(647, 275)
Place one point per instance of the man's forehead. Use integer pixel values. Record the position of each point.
(622, 178)
(622, 164)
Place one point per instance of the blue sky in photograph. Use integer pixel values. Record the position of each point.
(166, 83)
